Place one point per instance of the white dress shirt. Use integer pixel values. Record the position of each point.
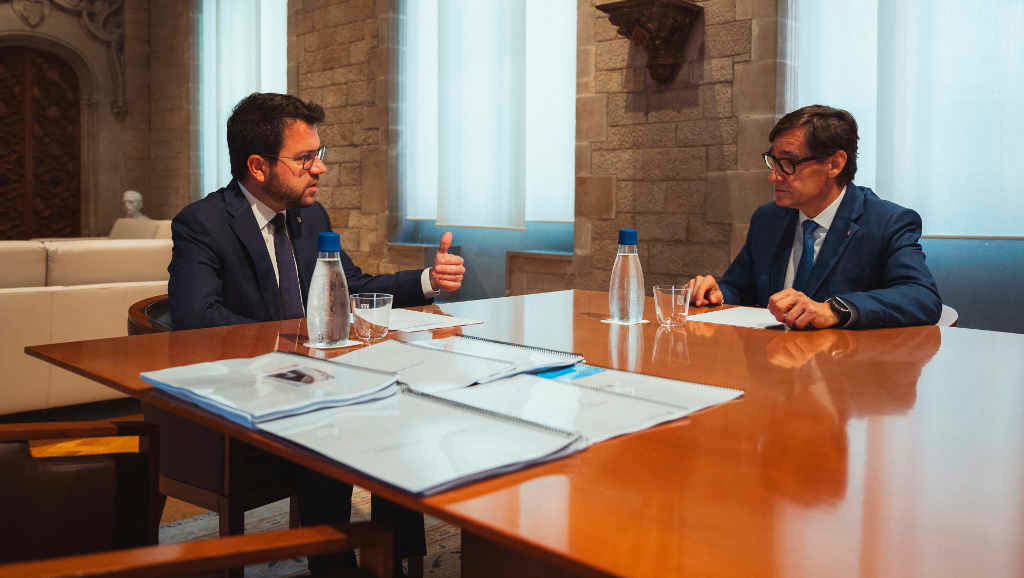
(824, 220)
(264, 214)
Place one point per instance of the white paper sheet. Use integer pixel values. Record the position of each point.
(422, 445)
(685, 395)
(424, 369)
(523, 358)
(596, 414)
(410, 320)
(755, 317)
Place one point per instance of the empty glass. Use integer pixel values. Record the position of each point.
(372, 312)
(672, 303)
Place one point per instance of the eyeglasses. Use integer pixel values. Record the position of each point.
(307, 159)
(788, 166)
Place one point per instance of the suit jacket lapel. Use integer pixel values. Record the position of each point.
(783, 247)
(844, 228)
(243, 223)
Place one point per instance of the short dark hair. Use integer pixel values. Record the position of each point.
(256, 126)
(828, 130)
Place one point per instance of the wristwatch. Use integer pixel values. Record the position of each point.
(840, 309)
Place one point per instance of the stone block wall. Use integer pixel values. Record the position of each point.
(339, 56)
(174, 171)
(679, 163)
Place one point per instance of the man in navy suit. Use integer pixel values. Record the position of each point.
(826, 253)
(246, 253)
(224, 268)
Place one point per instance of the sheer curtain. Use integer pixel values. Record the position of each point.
(486, 111)
(936, 88)
(243, 48)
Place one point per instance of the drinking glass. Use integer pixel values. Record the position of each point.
(372, 312)
(672, 303)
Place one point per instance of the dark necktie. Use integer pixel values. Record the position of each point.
(803, 272)
(287, 275)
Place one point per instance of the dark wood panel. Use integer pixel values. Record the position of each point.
(40, 164)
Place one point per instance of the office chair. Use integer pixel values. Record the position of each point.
(77, 504)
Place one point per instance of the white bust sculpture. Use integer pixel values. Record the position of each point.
(131, 203)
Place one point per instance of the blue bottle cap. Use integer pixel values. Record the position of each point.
(627, 236)
(328, 243)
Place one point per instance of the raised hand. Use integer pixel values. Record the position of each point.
(447, 272)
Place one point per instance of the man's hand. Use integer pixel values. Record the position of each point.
(704, 291)
(799, 311)
(447, 272)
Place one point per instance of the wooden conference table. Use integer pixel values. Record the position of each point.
(896, 452)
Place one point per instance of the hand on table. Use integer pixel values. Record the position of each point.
(799, 311)
(704, 291)
(447, 272)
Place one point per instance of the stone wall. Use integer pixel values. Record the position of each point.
(339, 56)
(679, 163)
(174, 114)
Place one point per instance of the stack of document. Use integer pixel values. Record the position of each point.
(259, 389)
(455, 362)
(469, 408)
(421, 444)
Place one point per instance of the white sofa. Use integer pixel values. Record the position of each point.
(68, 290)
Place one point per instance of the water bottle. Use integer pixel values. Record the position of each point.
(327, 309)
(626, 290)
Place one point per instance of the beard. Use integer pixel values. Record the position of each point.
(291, 194)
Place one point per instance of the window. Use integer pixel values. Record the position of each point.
(486, 111)
(936, 89)
(243, 48)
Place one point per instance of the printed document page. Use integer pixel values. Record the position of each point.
(422, 445)
(684, 395)
(755, 317)
(250, 390)
(410, 320)
(524, 359)
(596, 414)
(423, 369)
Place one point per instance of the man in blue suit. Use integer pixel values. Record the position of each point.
(826, 253)
(246, 253)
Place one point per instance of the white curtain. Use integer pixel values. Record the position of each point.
(243, 48)
(936, 88)
(486, 111)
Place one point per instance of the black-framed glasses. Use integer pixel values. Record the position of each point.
(788, 166)
(307, 159)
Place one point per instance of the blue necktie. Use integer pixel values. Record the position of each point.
(803, 272)
(287, 274)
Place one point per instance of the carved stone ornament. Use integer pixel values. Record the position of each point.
(661, 27)
(104, 19)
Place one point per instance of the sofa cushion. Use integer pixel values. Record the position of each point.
(107, 261)
(22, 264)
(92, 312)
(163, 229)
(134, 229)
(27, 313)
